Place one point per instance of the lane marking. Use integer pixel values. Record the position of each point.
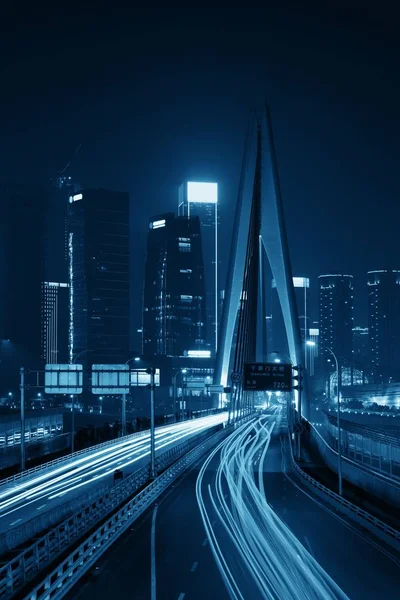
(40, 507)
(204, 544)
(194, 567)
(181, 596)
(15, 522)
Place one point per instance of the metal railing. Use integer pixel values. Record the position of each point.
(48, 465)
(27, 564)
(387, 529)
(68, 572)
(389, 479)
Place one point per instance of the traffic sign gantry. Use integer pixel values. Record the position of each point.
(262, 377)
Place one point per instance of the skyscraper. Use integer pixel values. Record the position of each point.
(301, 288)
(99, 276)
(55, 322)
(56, 246)
(336, 316)
(22, 239)
(201, 199)
(174, 292)
(384, 323)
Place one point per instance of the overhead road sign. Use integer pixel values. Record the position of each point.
(63, 379)
(140, 378)
(110, 379)
(215, 389)
(270, 377)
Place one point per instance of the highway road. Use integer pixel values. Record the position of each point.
(240, 525)
(44, 490)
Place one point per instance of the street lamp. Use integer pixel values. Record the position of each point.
(311, 343)
(183, 371)
(73, 404)
(135, 359)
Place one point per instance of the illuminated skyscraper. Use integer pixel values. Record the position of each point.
(336, 316)
(174, 293)
(99, 276)
(55, 322)
(201, 199)
(384, 324)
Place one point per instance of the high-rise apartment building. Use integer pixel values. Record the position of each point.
(336, 316)
(22, 240)
(99, 281)
(174, 292)
(384, 324)
(55, 322)
(201, 199)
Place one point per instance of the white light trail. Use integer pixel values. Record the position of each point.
(264, 555)
(87, 469)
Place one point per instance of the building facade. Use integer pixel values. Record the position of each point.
(201, 199)
(361, 347)
(99, 278)
(384, 324)
(174, 293)
(336, 316)
(55, 322)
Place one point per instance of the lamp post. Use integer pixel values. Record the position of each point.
(310, 343)
(136, 359)
(183, 371)
(73, 406)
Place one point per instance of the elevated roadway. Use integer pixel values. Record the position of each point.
(46, 489)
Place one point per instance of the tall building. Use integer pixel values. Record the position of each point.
(301, 288)
(55, 322)
(99, 278)
(22, 240)
(336, 316)
(201, 199)
(56, 246)
(384, 323)
(174, 292)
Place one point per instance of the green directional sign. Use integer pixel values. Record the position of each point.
(267, 377)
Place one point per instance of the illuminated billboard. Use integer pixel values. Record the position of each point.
(205, 193)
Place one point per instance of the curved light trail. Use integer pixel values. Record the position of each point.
(257, 554)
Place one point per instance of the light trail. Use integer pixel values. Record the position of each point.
(263, 557)
(89, 469)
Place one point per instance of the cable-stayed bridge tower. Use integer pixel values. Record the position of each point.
(259, 230)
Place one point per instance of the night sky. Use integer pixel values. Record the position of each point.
(161, 96)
